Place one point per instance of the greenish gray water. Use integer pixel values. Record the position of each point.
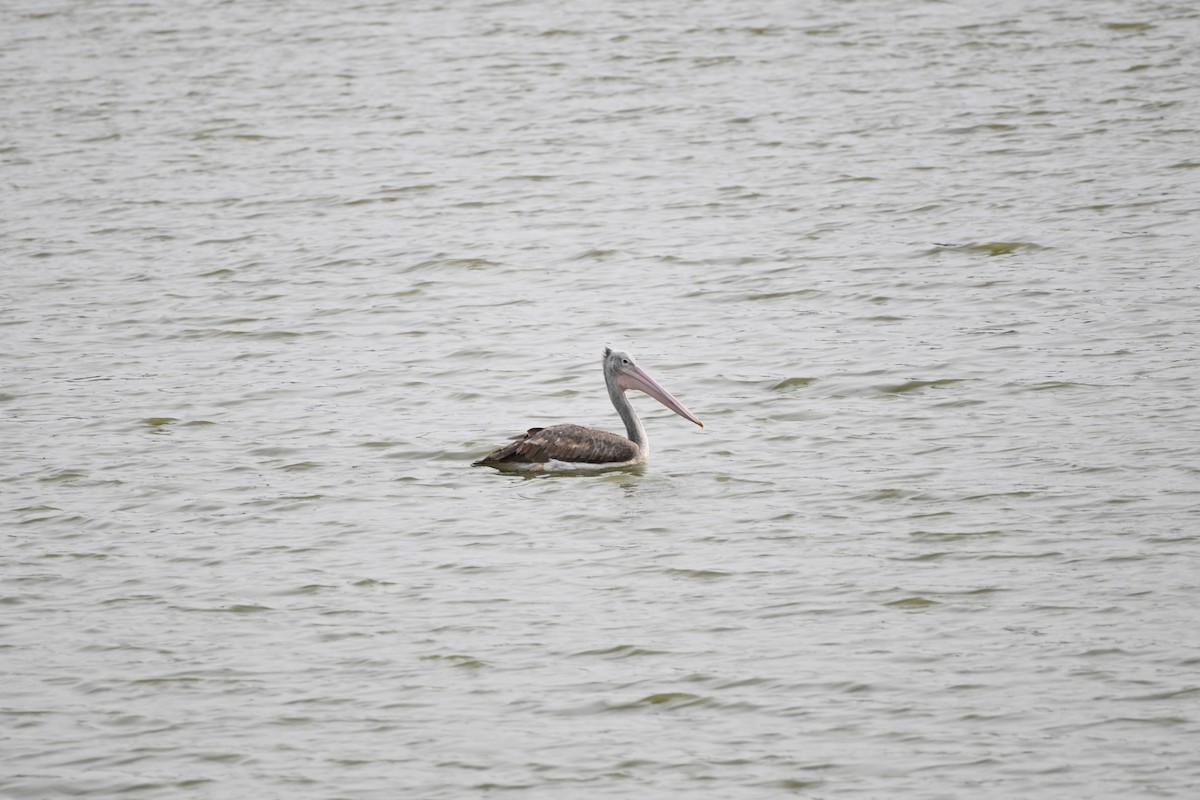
(273, 275)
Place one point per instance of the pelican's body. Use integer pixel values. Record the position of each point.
(563, 447)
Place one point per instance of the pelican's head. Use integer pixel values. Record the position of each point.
(622, 372)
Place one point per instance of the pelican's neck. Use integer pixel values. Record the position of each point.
(633, 424)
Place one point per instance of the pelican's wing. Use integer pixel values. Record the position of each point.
(570, 443)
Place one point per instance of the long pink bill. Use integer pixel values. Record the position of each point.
(634, 377)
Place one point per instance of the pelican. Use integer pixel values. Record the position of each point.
(564, 447)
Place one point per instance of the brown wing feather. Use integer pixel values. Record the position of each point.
(573, 443)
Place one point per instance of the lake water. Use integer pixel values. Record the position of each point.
(275, 274)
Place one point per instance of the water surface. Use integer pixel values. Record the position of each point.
(273, 276)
